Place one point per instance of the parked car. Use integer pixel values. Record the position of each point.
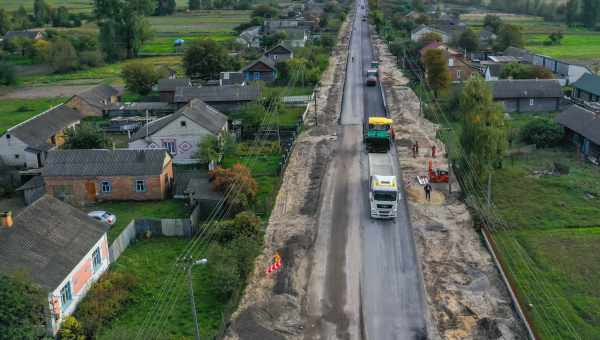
(103, 216)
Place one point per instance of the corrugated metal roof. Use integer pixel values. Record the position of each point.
(526, 88)
(582, 121)
(589, 83)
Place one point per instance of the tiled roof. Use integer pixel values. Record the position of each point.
(225, 93)
(172, 84)
(267, 61)
(36, 131)
(526, 88)
(103, 162)
(196, 110)
(98, 96)
(582, 121)
(589, 83)
(47, 240)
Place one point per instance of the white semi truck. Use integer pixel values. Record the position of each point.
(383, 186)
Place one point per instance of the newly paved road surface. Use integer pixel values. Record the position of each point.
(365, 281)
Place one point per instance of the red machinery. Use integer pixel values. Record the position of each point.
(437, 176)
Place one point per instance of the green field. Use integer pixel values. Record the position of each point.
(15, 111)
(161, 44)
(557, 273)
(151, 261)
(110, 73)
(127, 211)
(585, 47)
(72, 5)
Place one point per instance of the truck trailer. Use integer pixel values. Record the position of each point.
(383, 186)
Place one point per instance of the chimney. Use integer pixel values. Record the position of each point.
(6, 219)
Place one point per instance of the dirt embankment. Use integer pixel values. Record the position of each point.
(466, 296)
(273, 304)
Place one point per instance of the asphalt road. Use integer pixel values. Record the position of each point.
(364, 282)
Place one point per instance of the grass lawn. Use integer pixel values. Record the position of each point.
(110, 72)
(15, 111)
(127, 211)
(164, 44)
(150, 261)
(75, 6)
(566, 264)
(574, 46)
(199, 21)
(543, 202)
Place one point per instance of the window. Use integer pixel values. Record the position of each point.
(65, 295)
(170, 146)
(96, 259)
(531, 101)
(7, 136)
(106, 186)
(140, 185)
(275, 56)
(256, 75)
(17, 156)
(183, 123)
(458, 74)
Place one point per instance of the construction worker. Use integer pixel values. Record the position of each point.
(417, 147)
(427, 189)
(433, 151)
(414, 150)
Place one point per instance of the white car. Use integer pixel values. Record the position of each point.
(103, 216)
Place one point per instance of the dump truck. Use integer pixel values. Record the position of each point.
(371, 77)
(383, 186)
(378, 134)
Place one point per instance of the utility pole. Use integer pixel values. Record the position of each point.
(449, 167)
(489, 190)
(191, 291)
(315, 95)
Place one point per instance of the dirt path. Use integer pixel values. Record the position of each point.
(466, 297)
(273, 305)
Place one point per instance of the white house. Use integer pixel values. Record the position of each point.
(60, 248)
(421, 30)
(25, 144)
(181, 132)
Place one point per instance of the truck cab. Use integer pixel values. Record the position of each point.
(383, 196)
(371, 77)
(378, 134)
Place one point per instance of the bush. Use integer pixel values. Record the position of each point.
(223, 273)
(91, 59)
(139, 77)
(243, 225)
(543, 133)
(562, 168)
(104, 301)
(240, 179)
(8, 74)
(71, 330)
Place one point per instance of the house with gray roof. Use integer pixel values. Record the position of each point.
(493, 71)
(587, 88)
(582, 128)
(167, 87)
(182, 132)
(94, 101)
(231, 78)
(280, 52)
(537, 95)
(226, 98)
(262, 69)
(61, 249)
(25, 144)
(26, 34)
(88, 176)
(250, 37)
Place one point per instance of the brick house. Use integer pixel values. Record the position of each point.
(25, 145)
(94, 101)
(181, 132)
(281, 52)
(60, 249)
(525, 95)
(587, 88)
(87, 176)
(261, 69)
(167, 87)
(458, 69)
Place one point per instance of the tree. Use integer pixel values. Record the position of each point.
(436, 67)
(8, 74)
(21, 19)
(555, 38)
(525, 71)
(41, 12)
(244, 225)
(494, 22)
(62, 57)
(139, 77)
(71, 330)
(269, 40)
(5, 22)
(237, 179)
(430, 37)
(205, 59)
(483, 137)
(543, 133)
(590, 13)
(213, 149)
(166, 7)
(22, 308)
(571, 12)
(418, 5)
(193, 4)
(60, 17)
(510, 35)
(42, 50)
(264, 11)
(86, 137)
(468, 40)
